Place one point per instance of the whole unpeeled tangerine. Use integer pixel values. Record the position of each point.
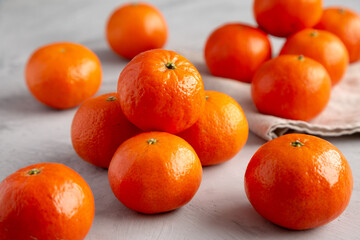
(236, 51)
(45, 201)
(98, 128)
(282, 18)
(291, 86)
(345, 24)
(322, 46)
(134, 28)
(63, 75)
(221, 131)
(298, 181)
(155, 172)
(161, 90)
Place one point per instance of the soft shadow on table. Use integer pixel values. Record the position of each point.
(109, 207)
(24, 104)
(107, 56)
(112, 65)
(346, 139)
(241, 218)
(202, 68)
(254, 140)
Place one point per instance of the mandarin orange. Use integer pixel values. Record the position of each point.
(291, 86)
(63, 75)
(134, 28)
(155, 172)
(298, 181)
(344, 23)
(322, 46)
(45, 201)
(236, 51)
(98, 128)
(282, 18)
(221, 131)
(161, 90)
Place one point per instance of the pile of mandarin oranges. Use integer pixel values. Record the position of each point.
(157, 130)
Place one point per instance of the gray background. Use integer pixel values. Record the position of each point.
(32, 133)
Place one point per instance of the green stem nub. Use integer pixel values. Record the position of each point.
(151, 141)
(314, 34)
(206, 97)
(110, 99)
(297, 143)
(34, 171)
(341, 10)
(301, 57)
(170, 65)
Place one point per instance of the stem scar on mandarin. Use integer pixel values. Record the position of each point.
(314, 34)
(34, 171)
(297, 143)
(152, 141)
(110, 99)
(341, 10)
(170, 65)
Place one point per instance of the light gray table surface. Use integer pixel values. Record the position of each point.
(31, 133)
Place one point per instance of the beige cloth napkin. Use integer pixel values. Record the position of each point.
(340, 117)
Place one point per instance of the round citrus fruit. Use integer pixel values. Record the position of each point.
(344, 23)
(45, 201)
(155, 172)
(98, 128)
(236, 50)
(292, 87)
(282, 18)
(63, 75)
(134, 28)
(322, 46)
(220, 132)
(161, 90)
(298, 181)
